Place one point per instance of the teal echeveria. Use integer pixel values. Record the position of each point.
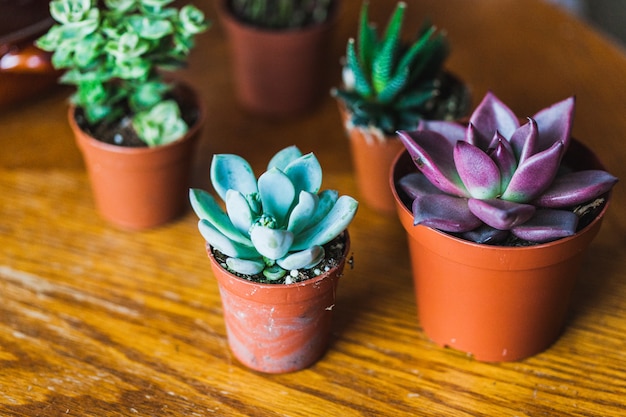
(273, 224)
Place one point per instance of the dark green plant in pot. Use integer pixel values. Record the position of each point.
(281, 14)
(390, 84)
(115, 53)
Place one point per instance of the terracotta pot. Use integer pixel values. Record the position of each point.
(278, 328)
(372, 157)
(496, 303)
(140, 188)
(276, 72)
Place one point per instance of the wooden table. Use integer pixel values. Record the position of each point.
(95, 321)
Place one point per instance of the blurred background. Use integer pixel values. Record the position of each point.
(608, 16)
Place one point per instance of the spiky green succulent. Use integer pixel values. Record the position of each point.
(390, 85)
(275, 224)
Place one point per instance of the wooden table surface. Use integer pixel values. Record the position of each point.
(95, 321)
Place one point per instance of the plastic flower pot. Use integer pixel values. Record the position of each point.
(277, 73)
(372, 157)
(496, 303)
(278, 328)
(139, 188)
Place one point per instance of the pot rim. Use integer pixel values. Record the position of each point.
(229, 18)
(126, 150)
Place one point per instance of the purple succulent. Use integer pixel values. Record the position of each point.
(494, 176)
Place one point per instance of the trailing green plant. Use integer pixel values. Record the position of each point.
(390, 85)
(281, 14)
(275, 224)
(115, 52)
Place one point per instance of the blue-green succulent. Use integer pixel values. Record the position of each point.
(274, 224)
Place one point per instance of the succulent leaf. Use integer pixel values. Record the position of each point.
(271, 243)
(205, 206)
(477, 170)
(547, 225)
(534, 175)
(486, 235)
(368, 38)
(384, 60)
(232, 172)
(501, 214)
(433, 155)
(239, 211)
(444, 212)
(524, 141)
(302, 212)
(554, 124)
(452, 132)
(335, 222)
(306, 259)
(224, 243)
(277, 194)
(415, 184)
(492, 116)
(305, 173)
(326, 201)
(502, 154)
(361, 83)
(246, 266)
(283, 157)
(576, 188)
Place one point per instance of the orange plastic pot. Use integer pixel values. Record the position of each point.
(496, 303)
(372, 157)
(139, 188)
(278, 328)
(277, 73)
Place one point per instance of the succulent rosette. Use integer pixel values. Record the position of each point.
(274, 224)
(496, 177)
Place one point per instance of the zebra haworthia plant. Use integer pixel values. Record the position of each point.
(275, 224)
(495, 177)
(389, 84)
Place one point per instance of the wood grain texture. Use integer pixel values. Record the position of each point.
(99, 322)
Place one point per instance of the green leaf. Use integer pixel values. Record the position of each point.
(335, 222)
(283, 157)
(416, 49)
(225, 245)
(304, 259)
(368, 38)
(207, 208)
(382, 65)
(232, 172)
(361, 83)
(246, 266)
(305, 173)
(394, 87)
(277, 194)
(302, 212)
(271, 243)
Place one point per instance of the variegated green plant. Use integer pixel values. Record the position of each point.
(275, 224)
(115, 52)
(390, 85)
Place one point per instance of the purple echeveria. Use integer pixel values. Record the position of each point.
(495, 176)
